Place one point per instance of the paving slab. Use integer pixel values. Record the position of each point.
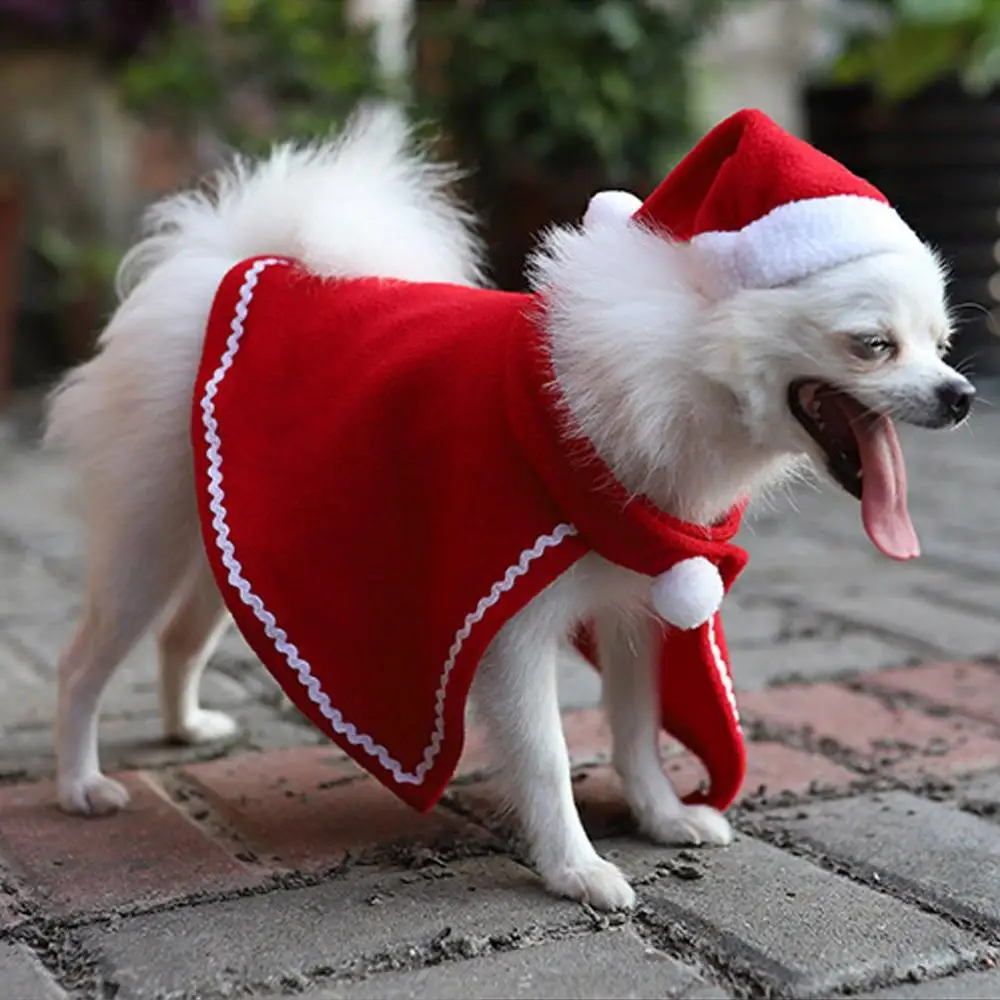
(612, 965)
(951, 630)
(967, 688)
(27, 585)
(906, 741)
(965, 986)
(980, 795)
(758, 667)
(22, 976)
(149, 853)
(366, 921)
(785, 926)
(925, 849)
(307, 808)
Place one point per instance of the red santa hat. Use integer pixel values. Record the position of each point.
(765, 207)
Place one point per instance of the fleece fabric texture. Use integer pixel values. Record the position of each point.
(740, 171)
(768, 208)
(384, 478)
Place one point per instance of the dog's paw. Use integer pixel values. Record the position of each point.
(700, 826)
(204, 726)
(96, 796)
(598, 883)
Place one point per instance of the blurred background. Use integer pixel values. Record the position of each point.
(107, 104)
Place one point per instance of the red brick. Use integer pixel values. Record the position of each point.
(588, 740)
(601, 801)
(476, 754)
(308, 807)
(771, 767)
(969, 688)
(967, 756)
(599, 796)
(484, 800)
(876, 733)
(588, 737)
(149, 853)
(596, 789)
(776, 768)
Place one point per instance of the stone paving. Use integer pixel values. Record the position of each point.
(868, 854)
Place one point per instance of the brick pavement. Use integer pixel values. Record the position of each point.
(285, 872)
(867, 857)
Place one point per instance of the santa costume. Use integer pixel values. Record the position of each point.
(386, 473)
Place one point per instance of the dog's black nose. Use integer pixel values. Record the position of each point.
(955, 400)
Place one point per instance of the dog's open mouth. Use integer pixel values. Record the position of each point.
(864, 457)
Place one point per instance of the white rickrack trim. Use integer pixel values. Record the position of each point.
(722, 669)
(277, 634)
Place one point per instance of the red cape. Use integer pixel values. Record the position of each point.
(384, 479)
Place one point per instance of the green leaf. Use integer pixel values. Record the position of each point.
(904, 62)
(982, 70)
(619, 20)
(916, 57)
(939, 11)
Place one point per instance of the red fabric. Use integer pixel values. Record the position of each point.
(372, 460)
(742, 169)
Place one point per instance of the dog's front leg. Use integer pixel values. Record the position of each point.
(515, 693)
(628, 650)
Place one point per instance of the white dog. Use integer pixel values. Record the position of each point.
(703, 368)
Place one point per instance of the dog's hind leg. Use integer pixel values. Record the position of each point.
(142, 541)
(627, 649)
(185, 644)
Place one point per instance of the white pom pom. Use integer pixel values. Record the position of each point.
(689, 593)
(610, 208)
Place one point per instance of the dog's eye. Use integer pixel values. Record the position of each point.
(872, 347)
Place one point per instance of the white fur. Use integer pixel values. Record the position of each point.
(680, 386)
(610, 208)
(688, 594)
(804, 237)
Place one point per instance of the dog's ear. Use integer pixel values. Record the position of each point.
(610, 208)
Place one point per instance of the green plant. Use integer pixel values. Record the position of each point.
(923, 41)
(74, 291)
(566, 85)
(83, 269)
(256, 71)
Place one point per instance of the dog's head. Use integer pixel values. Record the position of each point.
(824, 367)
(697, 392)
(800, 315)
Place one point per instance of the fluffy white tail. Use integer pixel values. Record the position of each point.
(365, 203)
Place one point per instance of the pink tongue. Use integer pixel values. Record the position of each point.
(883, 496)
